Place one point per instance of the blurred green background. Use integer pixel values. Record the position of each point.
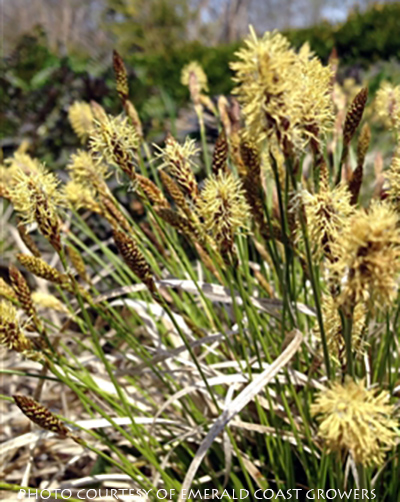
(57, 51)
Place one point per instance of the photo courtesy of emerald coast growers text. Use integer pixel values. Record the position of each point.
(199, 250)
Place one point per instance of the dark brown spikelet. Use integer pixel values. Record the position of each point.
(357, 176)
(40, 415)
(354, 115)
(113, 214)
(363, 144)
(40, 268)
(252, 183)
(182, 224)
(78, 263)
(121, 76)
(11, 335)
(27, 239)
(152, 191)
(174, 192)
(134, 258)
(48, 222)
(220, 155)
(22, 291)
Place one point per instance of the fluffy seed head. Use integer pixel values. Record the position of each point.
(368, 257)
(223, 207)
(81, 119)
(356, 420)
(40, 415)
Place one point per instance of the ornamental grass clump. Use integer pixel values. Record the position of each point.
(217, 311)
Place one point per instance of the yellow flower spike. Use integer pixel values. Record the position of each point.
(367, 256)
(178, 160)
(47, 301)
(334, 330)
(356, 420)
(81, 119)
(194, 68)
(223, 207)
(284, 94)
(37, 197)
(114, 140)
(84, 170)
(327, 213)
(387, 105)
(81, 196)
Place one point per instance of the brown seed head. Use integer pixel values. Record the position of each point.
(354, 115)
(121, 76)
(78, 263)
(22, 291)
(152, 191)
(220, 154)
(134, 258)
(40, 415)
(10, 332)
(174, 191)
(27, 239)
(363, 144)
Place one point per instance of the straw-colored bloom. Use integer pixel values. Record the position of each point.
(368, 257)
(114, 140)
(223, 207)
(81, 196)
(264, 74)
(47, 301)
(315, 103)
(327, 213)
(284, 94)
(356, 420)
(178, 160)
(37, 196)
(81, 119)
(334, 330)
(393, 177)
(84, 170)
(387, 105)
(194, 68)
